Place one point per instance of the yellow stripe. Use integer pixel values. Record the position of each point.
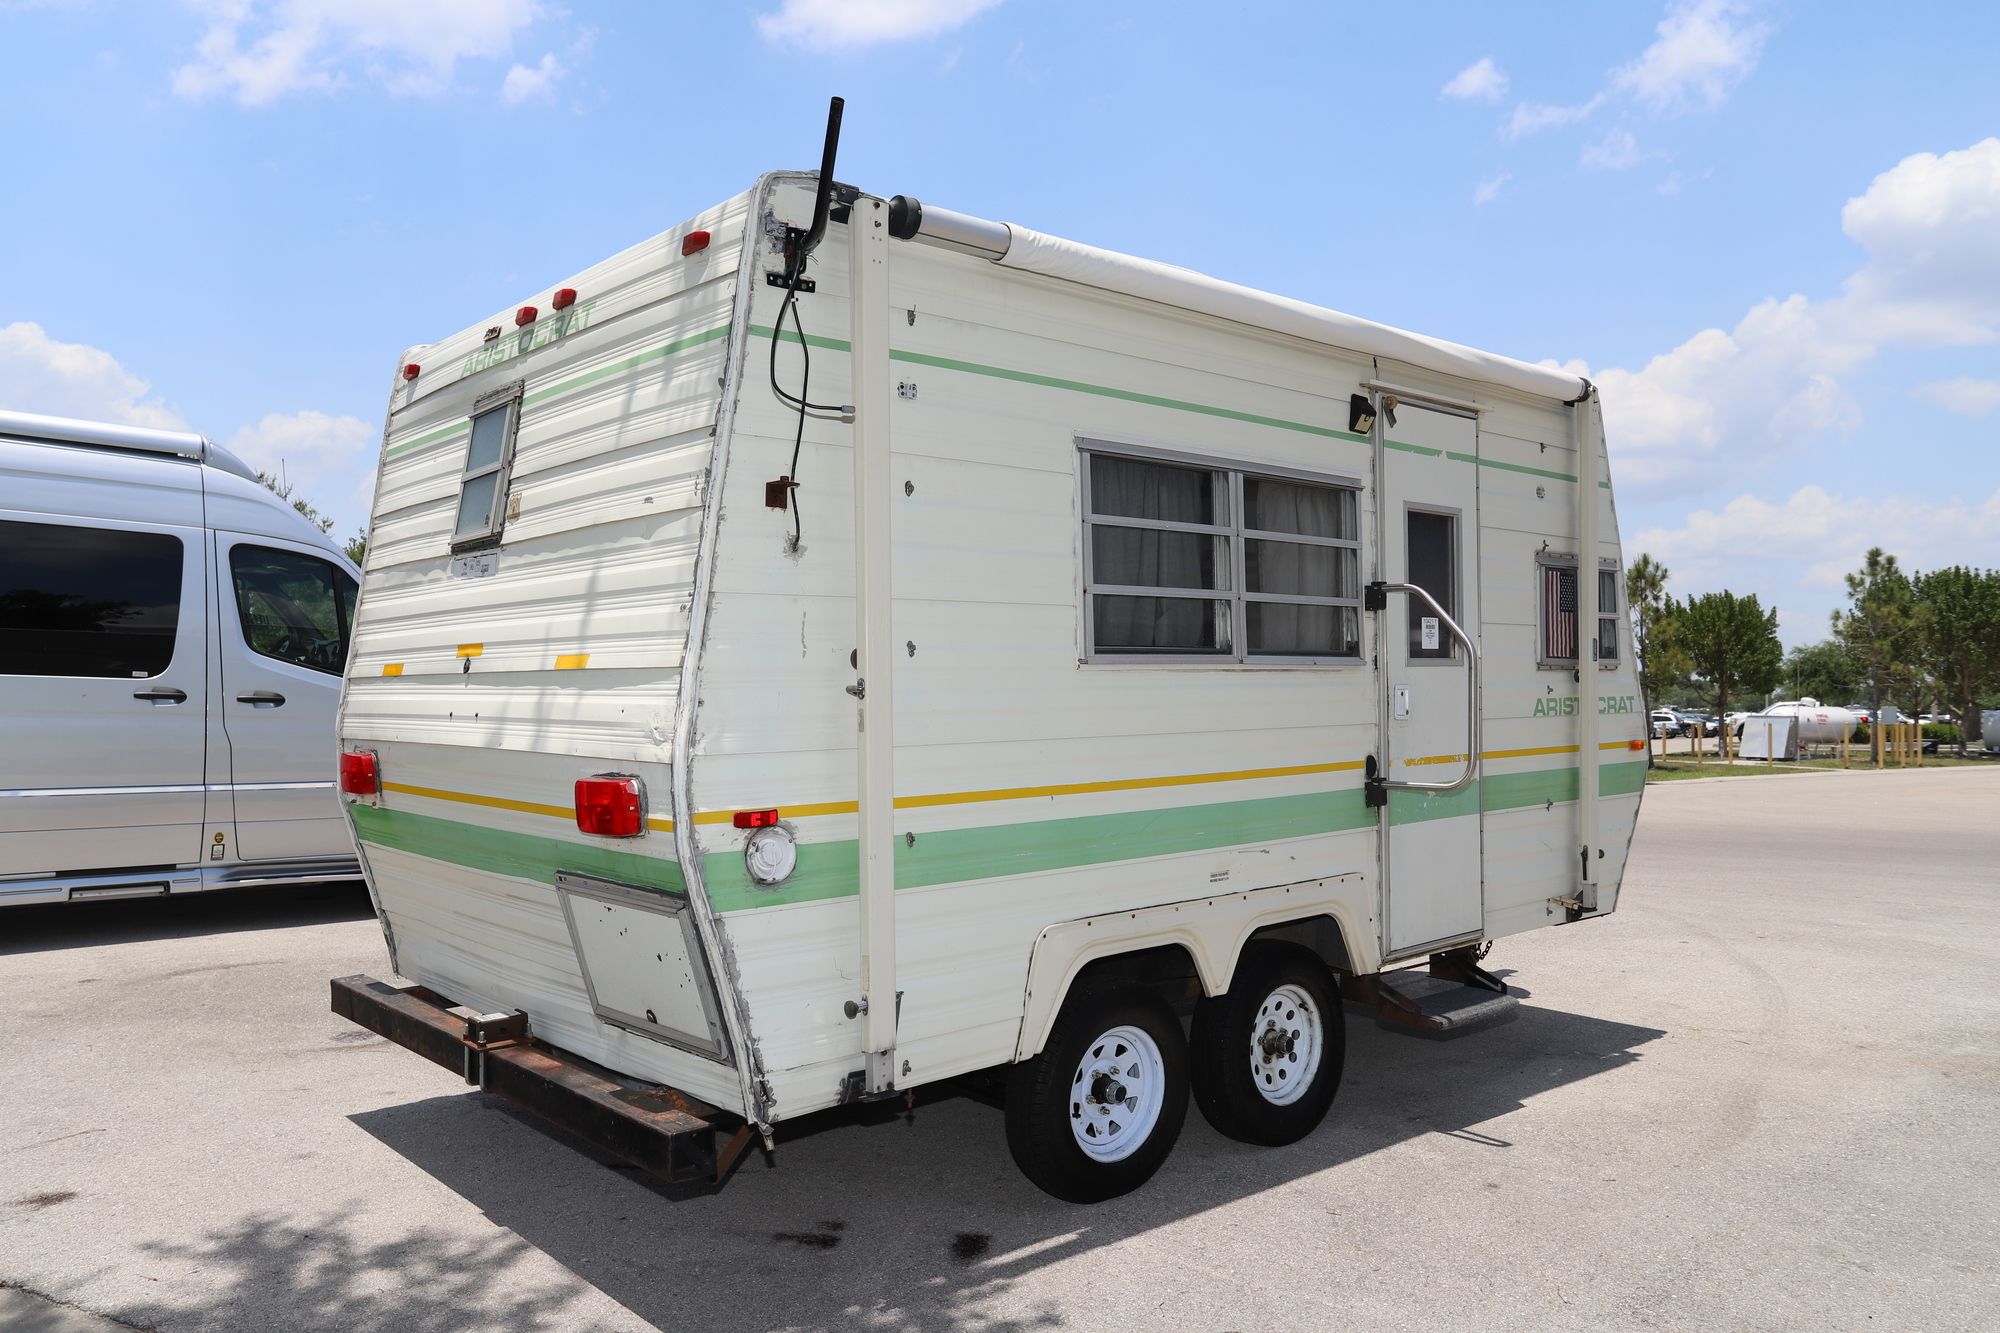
(502, 803)
(572, 661)
(471, 649)
(392, 668)
(1059, 789)
(1514, 754)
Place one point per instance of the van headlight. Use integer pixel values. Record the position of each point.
(771, 855)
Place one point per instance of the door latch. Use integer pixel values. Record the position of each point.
(1374, 794)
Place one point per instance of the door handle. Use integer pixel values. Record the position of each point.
(260, 698)
(1377, 599)
(161, 695)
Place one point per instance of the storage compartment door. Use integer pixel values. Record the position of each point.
(642, 963)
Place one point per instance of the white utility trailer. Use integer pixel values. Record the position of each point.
(1101, 644)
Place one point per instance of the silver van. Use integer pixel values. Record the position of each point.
(171, 641)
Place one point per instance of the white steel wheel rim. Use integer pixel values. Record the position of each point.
(1116, 1094)
(1287, 1038)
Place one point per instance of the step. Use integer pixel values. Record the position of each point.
(1410, 1000)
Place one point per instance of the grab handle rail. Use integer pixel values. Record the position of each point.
(1378, 600)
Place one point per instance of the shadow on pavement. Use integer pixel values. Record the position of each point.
(121, 921)
(890, 1222)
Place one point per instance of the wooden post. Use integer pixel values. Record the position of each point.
(1767, 744)
(1845, 737)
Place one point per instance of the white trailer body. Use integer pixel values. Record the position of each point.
(1043, 717)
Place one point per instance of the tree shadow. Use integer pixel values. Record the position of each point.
(900, 1222)
(79, 925)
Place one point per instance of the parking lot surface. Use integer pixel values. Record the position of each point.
(1765, 1094)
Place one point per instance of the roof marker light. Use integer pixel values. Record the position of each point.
(410, 371)
(693, 242)
(754, 818)
(611, 805)
(525, 316)
(564, 298)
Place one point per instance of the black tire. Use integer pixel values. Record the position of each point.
(1226, 1086)
(1040, 1105)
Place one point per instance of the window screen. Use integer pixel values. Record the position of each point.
(1433, 566)
(1197, 561)
(1556, 581)
(293, 607)
(80, 601)
(489, 455)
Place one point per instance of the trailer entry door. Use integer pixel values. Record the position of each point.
(1430, 532)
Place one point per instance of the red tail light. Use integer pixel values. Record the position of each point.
(610, 805)
(694, 241)
(358, 776)
(525, 316)
(754, 818)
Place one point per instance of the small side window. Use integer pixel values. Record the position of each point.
(1556, 577)
(489, 457)
(293, 607)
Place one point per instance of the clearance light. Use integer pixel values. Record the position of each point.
(1636, 745)
(410, 371)
(525, 316)
(754, 818)
(564, 298)
(358, 775)
(610, 805)
(693, 242)
(771, 856)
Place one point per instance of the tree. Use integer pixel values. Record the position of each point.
(1878, 628)
(1956, 625)
(1825, 671)
(1732, 643)
(355, 546)
(1661, 662)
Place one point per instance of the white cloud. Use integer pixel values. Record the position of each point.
(1816, 536)
(1481, 80)
(1971, 397)
(1774, 382)
(39, 374)
(258, 52)
(1530, 118)
(1704, 49)
(1489, 189)
(328, 460)
(825, 24)
(1614, 150)
(524, 83)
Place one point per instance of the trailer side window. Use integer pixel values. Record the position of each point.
(1556, 582)
(489, 458)
(1188, 560)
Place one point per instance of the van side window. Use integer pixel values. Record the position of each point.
(293, 607)
(489, 458)
(1556, 581)
(80, 601)
(1185, 559)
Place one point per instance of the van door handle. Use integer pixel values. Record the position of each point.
(260, 698)
(161, 695)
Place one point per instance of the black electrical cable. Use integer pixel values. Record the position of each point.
(801, 404)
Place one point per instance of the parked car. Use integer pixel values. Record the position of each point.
(1666, 722)
(1699, 724)
(171, 641)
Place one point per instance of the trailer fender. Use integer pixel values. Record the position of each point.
(1212, 931)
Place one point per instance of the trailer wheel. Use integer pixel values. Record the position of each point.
(1267, 1055)
(1094, 1115)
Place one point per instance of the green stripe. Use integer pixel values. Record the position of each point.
(633, 362)
(499, 852)
(952, 856)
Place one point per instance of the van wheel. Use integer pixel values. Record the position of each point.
(1267, 1055)
(1094, 1115)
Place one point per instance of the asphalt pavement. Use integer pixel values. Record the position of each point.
(1764, 1095)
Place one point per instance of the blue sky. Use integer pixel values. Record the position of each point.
(1770, 231)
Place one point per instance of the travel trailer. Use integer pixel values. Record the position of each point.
(171, 641)
(842, 644)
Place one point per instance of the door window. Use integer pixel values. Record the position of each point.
(80, 601)
(1433, 566)
(295, 608)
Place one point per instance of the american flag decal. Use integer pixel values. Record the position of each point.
(1559, 612)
